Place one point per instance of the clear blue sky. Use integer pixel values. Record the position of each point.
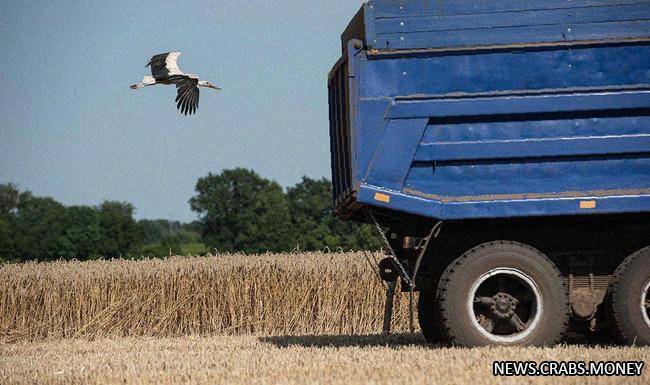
(70, 127)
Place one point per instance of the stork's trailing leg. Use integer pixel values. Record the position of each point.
(147, 81)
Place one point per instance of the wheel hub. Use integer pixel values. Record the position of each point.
(503, 305)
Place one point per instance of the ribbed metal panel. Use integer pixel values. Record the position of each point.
(340, 133)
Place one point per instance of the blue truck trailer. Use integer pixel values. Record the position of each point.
(521, 131)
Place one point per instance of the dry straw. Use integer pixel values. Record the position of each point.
(273, 294)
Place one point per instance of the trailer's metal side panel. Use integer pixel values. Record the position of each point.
(549, 69)
(394, 25)
(531, 131)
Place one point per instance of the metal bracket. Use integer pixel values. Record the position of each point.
(401, 271)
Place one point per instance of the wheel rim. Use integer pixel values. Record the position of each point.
(505, 305)
(645, 304)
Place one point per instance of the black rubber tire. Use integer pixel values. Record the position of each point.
(459, 277)
(625, 293)
(428, 316)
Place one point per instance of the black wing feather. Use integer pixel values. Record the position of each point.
(195, 99)
(187, 90)
(183, 91)
(158, 64)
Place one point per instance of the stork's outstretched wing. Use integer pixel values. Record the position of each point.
(164, 65)
(187, 89)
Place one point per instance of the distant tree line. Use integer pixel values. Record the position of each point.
(42, 228)
(237, 209)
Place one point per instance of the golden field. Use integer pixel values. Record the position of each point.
(235, 319)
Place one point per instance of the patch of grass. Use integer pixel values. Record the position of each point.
(194, 249)
(157, 250)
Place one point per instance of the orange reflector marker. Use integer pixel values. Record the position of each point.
(382, 197)
(587, 204)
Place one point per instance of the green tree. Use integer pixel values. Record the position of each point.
(314, 227)
(240, 211)
(81, 235)
(162, 237)
(311, 214)
(118, 231)
(154, 230)
(176, 240)
(42, 228)
(38, 228)
(194, 227)
(7, 249)
(9, 199)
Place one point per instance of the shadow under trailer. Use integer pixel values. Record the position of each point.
(505, 147)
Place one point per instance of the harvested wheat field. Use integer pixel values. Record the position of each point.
(400, 359)
(236, 319)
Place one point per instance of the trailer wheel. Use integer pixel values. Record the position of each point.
(428, 316)
(630, 298)
(503, 293)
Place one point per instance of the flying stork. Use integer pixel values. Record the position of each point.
(164, 70)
